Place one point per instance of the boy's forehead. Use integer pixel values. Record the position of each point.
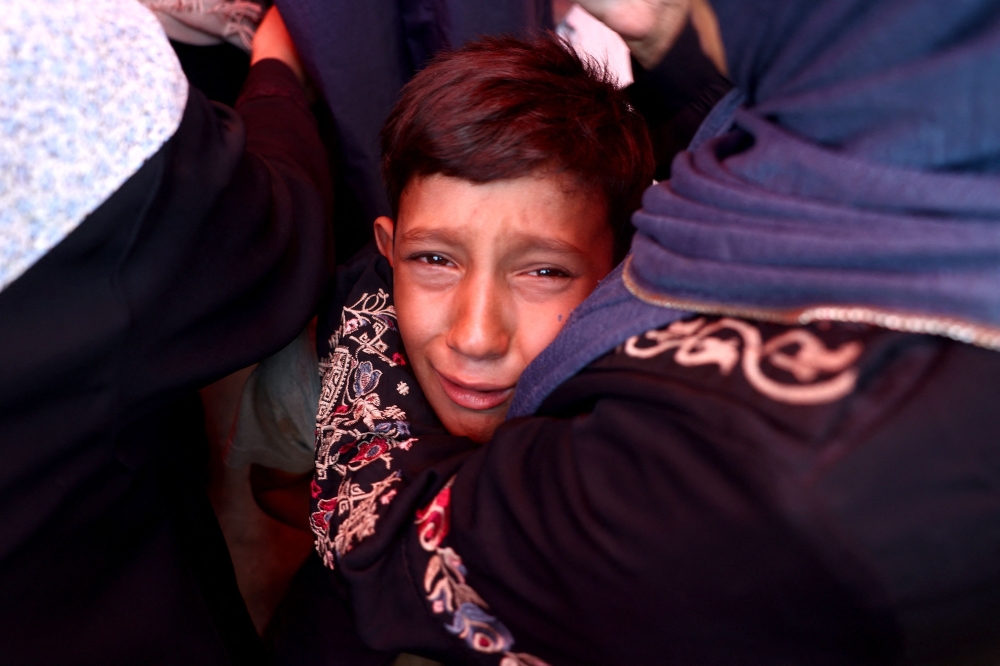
(439, 201)
(527, 239)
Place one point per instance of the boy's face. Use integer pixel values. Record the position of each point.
(484, 277)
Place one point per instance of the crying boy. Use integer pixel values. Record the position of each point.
(512, 168)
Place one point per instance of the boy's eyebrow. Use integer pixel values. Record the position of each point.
(524, 242)
(532, 242)
(440, 235)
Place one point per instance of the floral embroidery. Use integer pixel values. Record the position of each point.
(356, 434)
(480, 630)
(449, 594)
(695, 345)
(354, 429)
(360, 508)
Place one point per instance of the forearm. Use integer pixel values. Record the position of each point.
(228, 263)
(280, 127)
(282, 495)
(272, 40)
(611, 533)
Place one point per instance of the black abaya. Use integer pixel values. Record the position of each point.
(210, 257)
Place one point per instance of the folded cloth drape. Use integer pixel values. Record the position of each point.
(856, 179)
(860, 173)
(361, 53)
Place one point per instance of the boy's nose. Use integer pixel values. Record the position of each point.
(479, 329)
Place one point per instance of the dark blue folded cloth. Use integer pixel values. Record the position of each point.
(360, 53)
(856, 173)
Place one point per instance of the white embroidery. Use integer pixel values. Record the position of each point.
(402, 388)
(353, 428)
(695, 346)
(359, 507)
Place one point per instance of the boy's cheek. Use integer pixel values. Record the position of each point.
(419, 315)
(546, 320)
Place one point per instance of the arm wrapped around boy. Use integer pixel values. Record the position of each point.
(604, 528)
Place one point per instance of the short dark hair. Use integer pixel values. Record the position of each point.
(505, 107)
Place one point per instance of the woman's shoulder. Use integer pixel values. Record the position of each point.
(870, 443)
(822, 373)
(829, 409)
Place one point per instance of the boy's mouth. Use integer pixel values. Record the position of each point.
(475, 396)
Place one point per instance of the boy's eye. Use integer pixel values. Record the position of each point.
(433, 259)
(549, 273)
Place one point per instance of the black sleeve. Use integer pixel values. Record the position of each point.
(603, 533)
(675, 96)
(229, 258)
(209, 257)
(641, 519)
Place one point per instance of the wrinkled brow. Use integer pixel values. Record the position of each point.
(418, 235)
(520, 242)
(526, 242)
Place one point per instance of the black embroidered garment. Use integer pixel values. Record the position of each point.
(720, 491)
(368, 398)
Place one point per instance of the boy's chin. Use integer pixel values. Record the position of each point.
(477, 427)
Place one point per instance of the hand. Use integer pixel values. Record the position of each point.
(282, 495)
(273, 41)
(649, 27)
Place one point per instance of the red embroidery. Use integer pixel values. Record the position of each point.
(451, 596)
(434, 519)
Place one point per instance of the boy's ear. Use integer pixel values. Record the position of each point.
(384, 228)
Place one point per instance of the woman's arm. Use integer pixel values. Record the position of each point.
(621, 527)
(229, 256)
(273, 41)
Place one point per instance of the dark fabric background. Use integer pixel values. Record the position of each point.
(360, 54)
(210, 257)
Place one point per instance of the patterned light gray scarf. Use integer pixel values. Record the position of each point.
(204, 22)
(88, 92)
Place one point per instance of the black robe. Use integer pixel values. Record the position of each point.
(723, 491)
(208, 258)
(675, 96)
